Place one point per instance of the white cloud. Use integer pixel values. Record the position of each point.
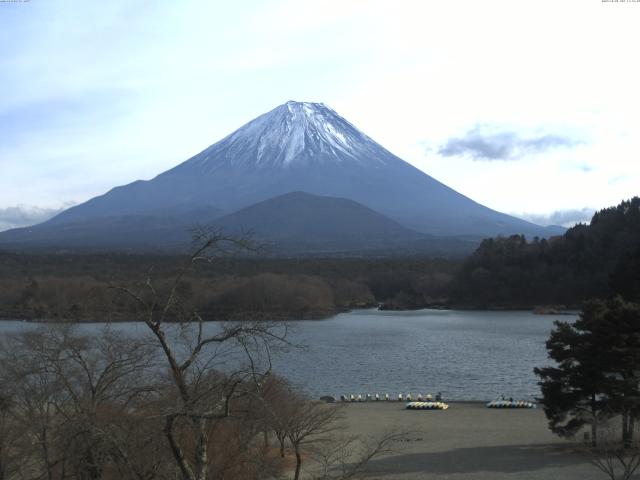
(25, 215)
(566, 218)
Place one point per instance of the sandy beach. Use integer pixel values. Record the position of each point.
(469, 441)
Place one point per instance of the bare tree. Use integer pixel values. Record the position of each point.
(278, 404)
(311, 423)
(346, 457)
(315, 431)
(9, 435)
(35, 393)
(205, 388)
(615, 459)
(71, 394)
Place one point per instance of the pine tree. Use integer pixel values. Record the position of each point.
(597, 370)
(571, 390)
(616, 325)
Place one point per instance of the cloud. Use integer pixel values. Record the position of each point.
(502, 145)
(25, 215)
(566, 218)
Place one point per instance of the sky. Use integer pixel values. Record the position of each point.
(528, 107)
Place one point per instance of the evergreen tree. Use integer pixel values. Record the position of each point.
(597, 370)
(616, 326)
(571, 390)
(625, 279)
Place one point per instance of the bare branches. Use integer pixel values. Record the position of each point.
(209, 242)
(346, 457)
(609, 455)
(74, 395)
(316, 434)
(205, 394)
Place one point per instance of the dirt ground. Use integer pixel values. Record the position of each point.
(469, 441)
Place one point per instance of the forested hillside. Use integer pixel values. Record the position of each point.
(76, 287)
(594, 260)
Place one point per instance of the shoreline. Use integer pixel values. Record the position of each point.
(310, 318)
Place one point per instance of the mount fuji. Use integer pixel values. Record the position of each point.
(296, 147)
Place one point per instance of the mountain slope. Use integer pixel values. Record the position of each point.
(303, 221)
(305, 147)
(298, 222)
(294, 223)
(136, 232)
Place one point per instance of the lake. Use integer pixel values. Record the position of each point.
(466, 355)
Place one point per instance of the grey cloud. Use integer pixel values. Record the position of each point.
(566, 218)
(504, 145)
(25, 215)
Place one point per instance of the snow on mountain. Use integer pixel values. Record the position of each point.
(299, 132)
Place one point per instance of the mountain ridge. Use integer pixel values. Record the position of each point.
(294, 223)
(307, 147)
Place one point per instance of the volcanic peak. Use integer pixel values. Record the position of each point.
(294, 133)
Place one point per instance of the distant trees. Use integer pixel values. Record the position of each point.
(77, 288)
(597, 372)
(273, 296)
(588, 261)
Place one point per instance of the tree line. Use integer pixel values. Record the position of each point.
(588, 261)
(76, 287)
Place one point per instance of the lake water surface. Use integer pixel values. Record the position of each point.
(466, 355)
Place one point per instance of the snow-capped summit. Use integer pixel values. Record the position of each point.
(300, 147)
(295, 132)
